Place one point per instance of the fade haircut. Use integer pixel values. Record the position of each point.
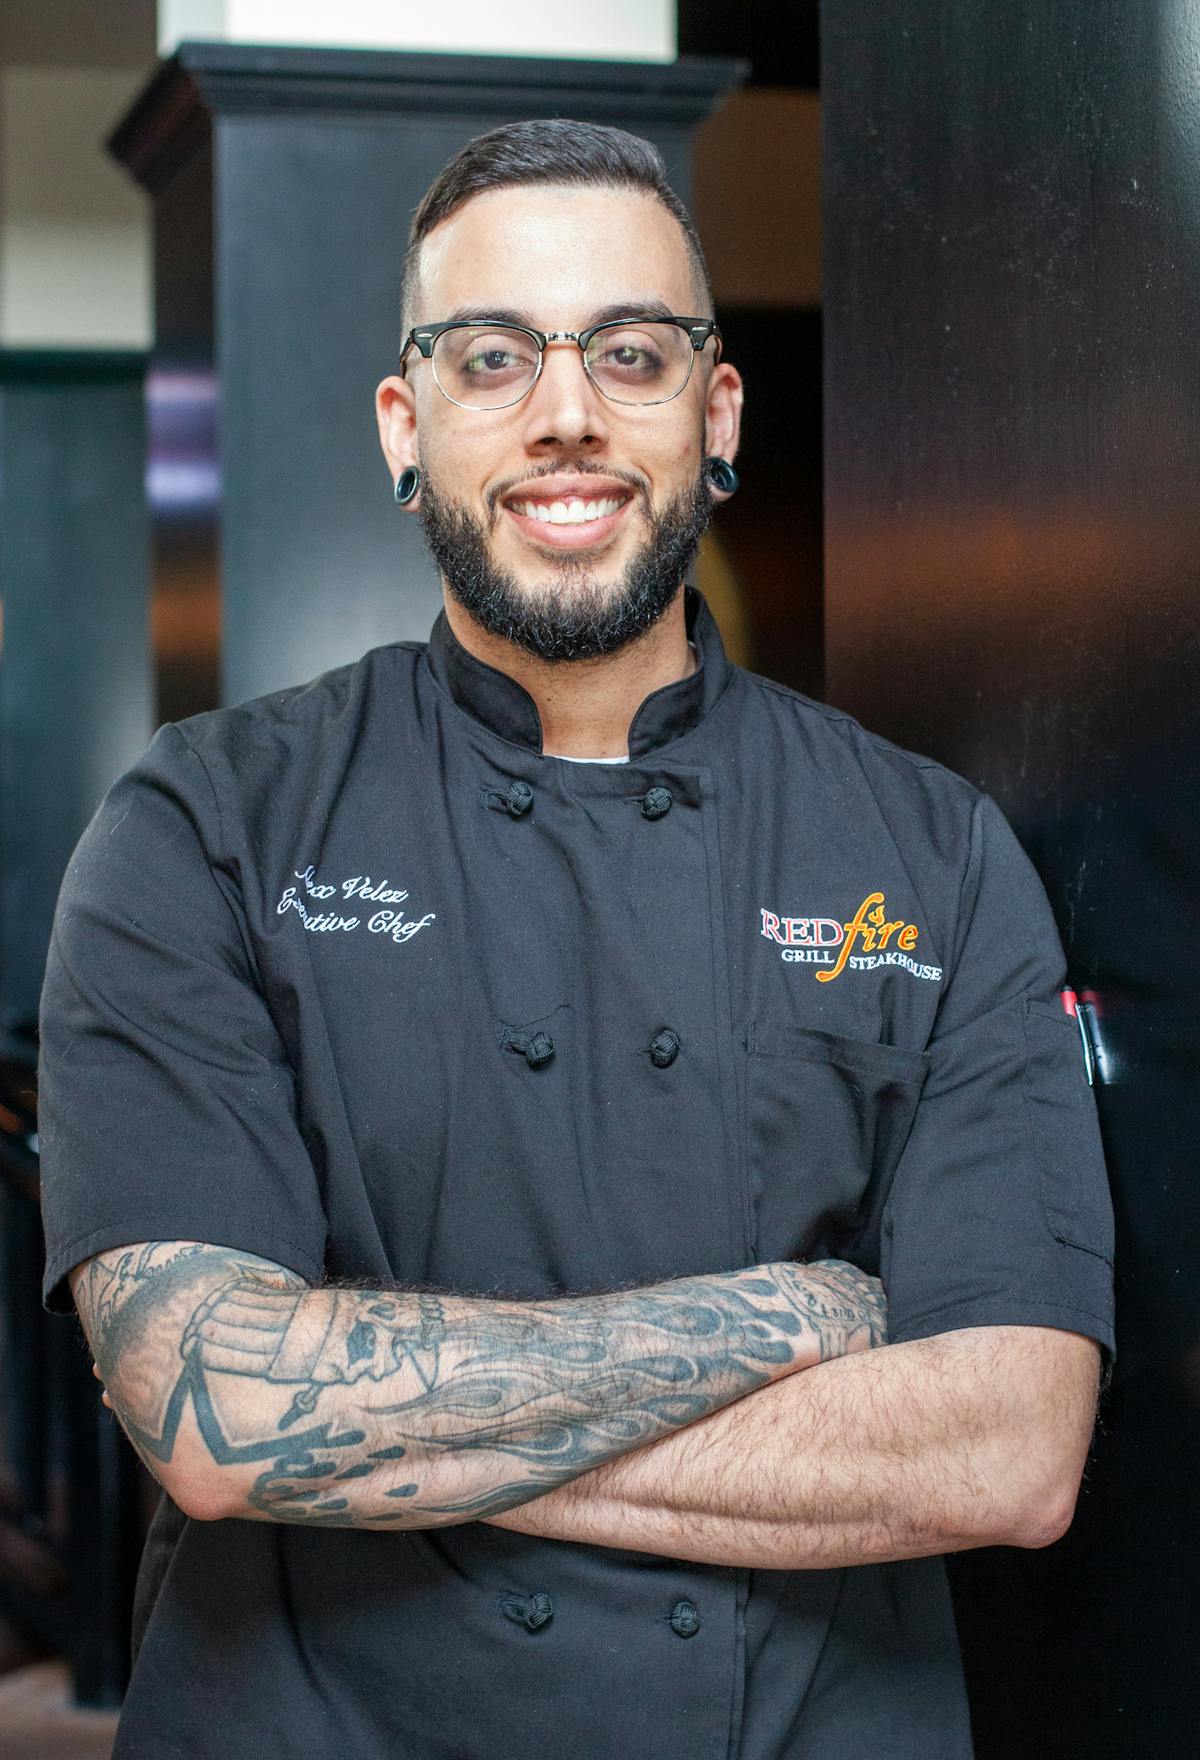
(555, 150)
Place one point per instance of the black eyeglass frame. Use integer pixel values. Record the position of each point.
(422, 337)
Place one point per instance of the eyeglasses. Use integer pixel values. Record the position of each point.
(628, 360)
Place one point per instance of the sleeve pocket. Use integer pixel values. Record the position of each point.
(1065, 1134)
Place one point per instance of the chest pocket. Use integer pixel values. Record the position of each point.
(826, 1119)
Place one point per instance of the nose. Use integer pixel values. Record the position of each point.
(564, 409)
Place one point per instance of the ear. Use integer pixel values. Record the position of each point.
(723, 416)
(396, 413)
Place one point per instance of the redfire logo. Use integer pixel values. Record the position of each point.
(878, 941)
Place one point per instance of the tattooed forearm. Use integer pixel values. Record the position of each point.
(112, 1278)
(845, 1308)
(369, 1407)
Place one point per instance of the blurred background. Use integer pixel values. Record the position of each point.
(956, 254)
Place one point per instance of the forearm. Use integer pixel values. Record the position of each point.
(953, 1442)
(270, 1400)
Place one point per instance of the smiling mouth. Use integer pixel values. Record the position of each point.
(567, 522)
(570, 511)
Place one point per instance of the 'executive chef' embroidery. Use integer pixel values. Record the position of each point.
(811, 941)
(390, 921)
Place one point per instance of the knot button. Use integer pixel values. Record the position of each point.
(684, 1620)
(532, 1611)
(518, 798)
(664, 1048)
(656, 802)
(539, 1049)
(536, 1048)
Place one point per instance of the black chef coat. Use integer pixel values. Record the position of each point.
(356, 978)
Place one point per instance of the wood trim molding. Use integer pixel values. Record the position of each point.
(173, 114)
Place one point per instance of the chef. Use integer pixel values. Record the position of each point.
(570, 1156)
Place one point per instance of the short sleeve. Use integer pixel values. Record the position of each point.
(167, 1104)
(999, 1213)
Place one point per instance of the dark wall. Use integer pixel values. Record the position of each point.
(1012, 272)
(771, 531)
(779, 42)
(771, 535)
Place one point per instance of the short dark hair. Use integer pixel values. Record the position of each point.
(553, 150)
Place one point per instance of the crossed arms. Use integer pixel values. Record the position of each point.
(745, 1417)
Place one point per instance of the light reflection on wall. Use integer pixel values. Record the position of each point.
(181, 485)
(1179, 61)
(183, 489)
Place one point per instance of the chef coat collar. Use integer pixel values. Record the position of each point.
(504, 706)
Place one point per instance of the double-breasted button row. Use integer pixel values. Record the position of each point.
(537, 1610)
(517, 799)
(537, 1048)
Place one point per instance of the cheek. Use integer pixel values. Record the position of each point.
(688, 441)
(454, 464)
(675, 454)
(442, 452)
(687, 456)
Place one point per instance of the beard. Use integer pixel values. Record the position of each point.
(570, 615)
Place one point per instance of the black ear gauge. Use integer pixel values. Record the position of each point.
(407, 484)
(721, 474)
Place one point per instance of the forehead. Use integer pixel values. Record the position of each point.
(556, 253)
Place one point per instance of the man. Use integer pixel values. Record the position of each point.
(483, 1087)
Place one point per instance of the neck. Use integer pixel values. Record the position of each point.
(586, 707)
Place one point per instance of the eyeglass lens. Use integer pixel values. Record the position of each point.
(487, 366)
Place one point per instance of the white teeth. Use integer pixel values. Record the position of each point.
(567, 513)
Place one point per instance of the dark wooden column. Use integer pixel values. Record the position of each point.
(283, 185)
(1012, 235)
(75, 689)
(75, 711)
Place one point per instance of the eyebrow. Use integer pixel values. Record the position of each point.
(641, 308)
